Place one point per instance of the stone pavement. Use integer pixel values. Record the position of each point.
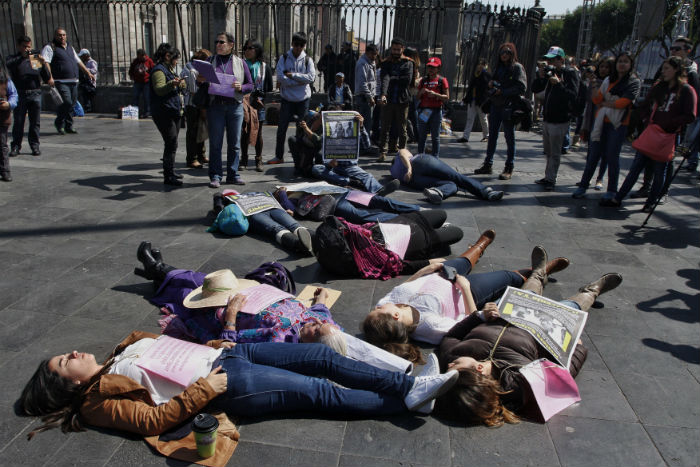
(73, 218)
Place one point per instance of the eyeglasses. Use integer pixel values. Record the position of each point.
(507, 52)
(676, 48)
(220, 42)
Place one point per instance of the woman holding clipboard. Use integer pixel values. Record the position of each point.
(225, 110)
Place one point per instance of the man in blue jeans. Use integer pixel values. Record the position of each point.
(295, 74)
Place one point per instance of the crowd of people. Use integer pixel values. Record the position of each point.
(250, 368)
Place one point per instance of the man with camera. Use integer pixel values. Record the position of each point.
(27, 68)
(560, 92)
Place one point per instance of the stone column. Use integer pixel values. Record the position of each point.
(21, 23)
(450, 40)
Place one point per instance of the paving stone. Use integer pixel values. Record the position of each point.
(327, 435)
(601, 398)
(255, 454)
(360, 461)
(678, 446)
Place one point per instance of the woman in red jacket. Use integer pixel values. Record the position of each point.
(671, 105)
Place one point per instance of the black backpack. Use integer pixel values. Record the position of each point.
(274, 274)
(332, 251)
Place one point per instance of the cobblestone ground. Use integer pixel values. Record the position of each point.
(72, 219)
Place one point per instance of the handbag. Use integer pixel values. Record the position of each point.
(55, 96)
(655, 143)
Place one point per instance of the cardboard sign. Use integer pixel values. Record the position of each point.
(307, 296)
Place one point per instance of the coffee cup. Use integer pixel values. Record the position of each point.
(205, 429)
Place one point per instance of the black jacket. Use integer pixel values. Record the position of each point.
(347, 96)
(397, 79)
(478, 88)
(559, 99)
(512, 81)
(23, 75)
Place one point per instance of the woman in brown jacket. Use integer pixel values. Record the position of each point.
(71, 389)
(488, 353)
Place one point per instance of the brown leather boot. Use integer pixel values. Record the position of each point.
(538, 275)
(553, 266)
(588, 293)
(258, 164)
(475, 251)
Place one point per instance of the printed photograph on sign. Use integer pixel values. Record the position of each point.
(341, 135)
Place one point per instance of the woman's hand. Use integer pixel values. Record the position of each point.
(217, 380)
(235, 304)
(237, 86)
(409, 175)
(320, 296)
(290, 212)
(437, 260)
(227, 345)
(491, 312)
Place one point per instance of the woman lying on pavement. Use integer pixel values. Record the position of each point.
(433, 300)
(203, 307)
(437, 179)
(488, 354)
(72, 389)
(378, 209)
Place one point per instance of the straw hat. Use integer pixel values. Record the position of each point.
(216, 290)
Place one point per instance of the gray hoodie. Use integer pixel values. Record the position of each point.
(297, 87)
(365, 77)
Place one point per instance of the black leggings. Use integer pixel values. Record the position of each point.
(447, 234)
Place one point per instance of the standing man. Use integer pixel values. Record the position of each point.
(64, 65)
(561, 90)
(140, 73)
(346, 63)
(87, 86)
(8, 102)
(27, 71)
(327, 66)
(295, 74)
(398, 76)
(366, 84)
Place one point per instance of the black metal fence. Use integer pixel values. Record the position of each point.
(114, 29)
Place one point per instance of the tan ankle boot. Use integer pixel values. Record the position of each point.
(538, 275)
(475, 251)
(553, 266)
(258, 164)
(588, 293)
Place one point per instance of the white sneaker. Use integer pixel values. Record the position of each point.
(433, 194)
(431, 368)
(426, 388)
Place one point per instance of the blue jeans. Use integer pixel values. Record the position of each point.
(342, 174)
(433, 125)
(609, 147)
(29, 103)
(488, 286)
(268, 378)
(145, 89)
(69, 94)
(570, 303)
(380, 209)
(638, 164)
(692, 140)
(366, 110)
(222, 117)
(272, 221)
(566, 144)
(288, 111)
(495, 121)
(430, 172)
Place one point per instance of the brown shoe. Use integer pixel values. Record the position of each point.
(477, 250)
(194, 165)
(505, 175)
(381, 158)
(538, 275)
(204, 160)
(588, 293)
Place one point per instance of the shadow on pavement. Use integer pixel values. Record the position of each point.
(684, 352)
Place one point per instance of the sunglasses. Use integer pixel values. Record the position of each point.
(221, 42)
(507, 52)
(676, 48)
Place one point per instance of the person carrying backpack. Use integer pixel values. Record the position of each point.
(140, 73)
(433, 91)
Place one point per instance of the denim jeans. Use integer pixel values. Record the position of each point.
(692, 141)
(366, 110)
(609, 146)
(495, 121)
(145, 89)
(28, 103)
(272, 221)
(380, 209)
(488, 286)
(342, 174)
(430, 172)
(267, 378)
(169, 128)
(228, 117)
(288, 111)
(433, 125)
(638, 164)
(69, 94)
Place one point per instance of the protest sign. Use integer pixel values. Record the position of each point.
(314, 188)
(307, 296)
(254, 202)
(341, 135)
(175, 360)
(555, 326)
(206, 69)
(553, 386)
(260, 297)
(396, 237)
(360, 197)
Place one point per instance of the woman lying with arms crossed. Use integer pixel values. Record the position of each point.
(427, 305)
(488, 354)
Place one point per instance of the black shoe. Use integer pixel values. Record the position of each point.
(172, 181)
(609, 203)
(71, 131)
(564, 151)
(59, 129)
(485, 169)
(646, 208)
(643, 192)
(462, 140)
(549, 186)
(14, 152)
(6, 177)
(179, 176)
(36, 152)
(145, 256)
(542, 181)
(389, 188)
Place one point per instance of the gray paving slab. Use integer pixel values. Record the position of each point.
(72, 219)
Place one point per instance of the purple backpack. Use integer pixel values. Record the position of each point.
(274, 274)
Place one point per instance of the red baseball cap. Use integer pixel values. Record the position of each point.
(434, 61)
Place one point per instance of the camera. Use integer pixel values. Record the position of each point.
(549, 71)
(496, 87)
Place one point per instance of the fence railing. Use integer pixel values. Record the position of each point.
(113, 30)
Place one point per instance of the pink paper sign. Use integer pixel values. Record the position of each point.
(448, 294)
(261, 296)
(360, 197)
(396, 237)
(174, 360)
(552, 385)
(225, 88)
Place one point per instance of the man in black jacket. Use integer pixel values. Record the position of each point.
(398, 77)
(561, 90)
